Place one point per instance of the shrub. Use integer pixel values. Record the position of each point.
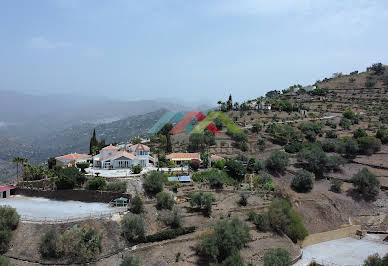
(228, 238)
(164, 200)
(329, 145)
(79, 243)
(220, 164)
(235, 170)
(120, 186)
(293, 147)
(285, 220)
(366, 183)
(203, 201)
(334, 162)
(331, 134)
(277, 257)
(259, 166)
(48, 244)
(136, 169)
(233, 260)
(382, 134)
(4, 261)
(174, 218)
(360, 132)
(376, 260)
(132, 228)
(256, 128)
(345, 123)
(348, 146)
(5, 237)
(169, 234)
(277, 161)
(194, 165)
(69, 177)
(9, 218)
(83, 166)
(136, 204)
(97, 183)
(131, 261)
(261, 221)
(336, 185)
(302, 181)
(314, 159)
(243, 199)
(369, 145)
(153, 183)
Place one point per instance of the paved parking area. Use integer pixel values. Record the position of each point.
(344, 252)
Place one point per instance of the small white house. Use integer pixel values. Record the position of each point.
(111, 157)
(264, 106)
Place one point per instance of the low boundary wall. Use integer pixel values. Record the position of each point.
(72, 194)
(330, 235)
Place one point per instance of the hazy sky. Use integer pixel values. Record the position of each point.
(193, 49)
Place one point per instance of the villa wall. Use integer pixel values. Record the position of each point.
(73, 194)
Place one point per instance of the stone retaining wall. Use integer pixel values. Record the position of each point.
(72, 194)
(330, 235)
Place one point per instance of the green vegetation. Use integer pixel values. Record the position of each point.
(369, 145)
(136, 169)
(199, 142)
(4, 261)
(164, 200)
(174, 218)
(69, 177)
(336, 185)
(280, 218)
(243, 199)
(97, 183)
(118, 186)
(229, 236)
(131, 261)
(9, 220)
(203, 201)
(277, 161)
(382, 134)
(169, 234)
(136, 204)
(132, 228)
(235, 169)
(302, 181)
(194, 165)
(366, 183)
(153, 183)
(277, 257)
(83, 166)
(94, 145)
(376, 260)
(359, 133)
(284, 134)
(331, 134)
(264, 182)
(77, 244)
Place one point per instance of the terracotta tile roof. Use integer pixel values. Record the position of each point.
(139, 147)
(110, 147)
(178, 156)
(121, 154)
(72, 156)
(216, 157)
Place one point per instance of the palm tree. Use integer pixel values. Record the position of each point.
(18, 160)
(219, 103)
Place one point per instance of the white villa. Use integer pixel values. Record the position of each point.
(111, 157)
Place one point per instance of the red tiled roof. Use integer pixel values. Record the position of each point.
(110, 147)
(139, 147)
(72, 156)
(215, 157)
(183, 156)
(6, 188)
